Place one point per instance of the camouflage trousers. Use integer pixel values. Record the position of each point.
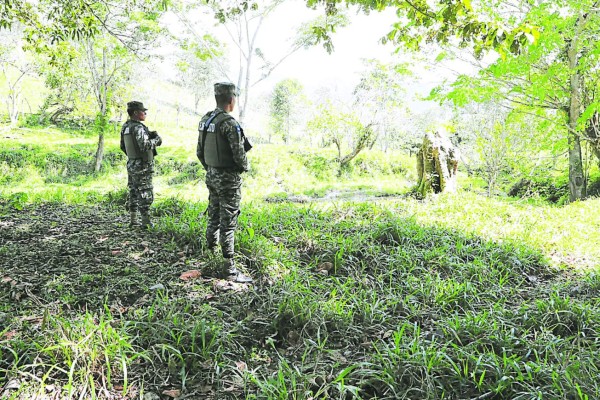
(139, 183)
(225, 194)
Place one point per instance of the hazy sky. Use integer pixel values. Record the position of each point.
(314, 67)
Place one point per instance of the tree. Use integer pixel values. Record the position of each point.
(107, 57)
(380, 93)
(196, 65)
(48, 22)
(243, 22)
(343, 129)
(504, 143)
(14, 67)
(283, 107)
(554, 77)
(108, 64)
(109, 61)
(66, 80)
(105, 28)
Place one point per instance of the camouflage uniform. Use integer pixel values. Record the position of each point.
(224, 164)
(140, 148)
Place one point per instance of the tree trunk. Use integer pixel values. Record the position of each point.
(595, 145)
(99, 152)
(14, 96)
(577, 182)
(592, 135)
(250, 52)
(365, 139)
(13, 109)
(437, 164)
(103, 111)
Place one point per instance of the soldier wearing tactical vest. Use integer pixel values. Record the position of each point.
(222, 149)
(139, 143)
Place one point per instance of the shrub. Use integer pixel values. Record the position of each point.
(554, 191)
(189, 172)
(594, 187)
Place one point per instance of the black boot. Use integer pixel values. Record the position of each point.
(233, 274)
(146, 224)
(134, 221)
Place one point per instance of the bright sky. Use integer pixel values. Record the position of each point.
(314, 67)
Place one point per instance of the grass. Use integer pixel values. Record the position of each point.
(455, 297)
(45, 163)
(567, 235)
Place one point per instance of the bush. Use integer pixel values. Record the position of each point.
(68, 164)
(368, 163)
(317, 165)
(113, 158)
(376, 163)
(9, 175)
(167, 165)
(189, 172)
(554, 191)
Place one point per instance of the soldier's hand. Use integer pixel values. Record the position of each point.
(158, 140)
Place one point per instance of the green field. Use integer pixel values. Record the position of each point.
(361, 290)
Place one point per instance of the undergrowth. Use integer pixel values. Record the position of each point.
(351, 301)
(453, 297)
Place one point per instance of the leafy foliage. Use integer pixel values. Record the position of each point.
(553, 78)
(473, 24)
(51, 21)
(343, 129)
(285, 101)
(196, 70)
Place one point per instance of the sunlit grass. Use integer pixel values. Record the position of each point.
(566, 234)
(275, 170)
(407, 309)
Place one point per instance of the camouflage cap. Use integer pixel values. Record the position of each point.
(136, 106)
(225, 88)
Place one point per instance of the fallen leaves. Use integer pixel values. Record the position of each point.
(174, 393)
(101, 239)
(324, 268)
(241, 366)
(191, 274)
(8, 335)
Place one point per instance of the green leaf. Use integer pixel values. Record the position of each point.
(442, 55)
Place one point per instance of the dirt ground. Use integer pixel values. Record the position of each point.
(71, 260)
(88, 254)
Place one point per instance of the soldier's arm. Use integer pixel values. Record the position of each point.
(143, 139)
(199, 149)
(232, 130)
(122, 144)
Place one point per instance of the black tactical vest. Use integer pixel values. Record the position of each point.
(215, 146)
(131, 145)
